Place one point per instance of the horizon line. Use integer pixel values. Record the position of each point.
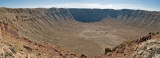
(76, 8)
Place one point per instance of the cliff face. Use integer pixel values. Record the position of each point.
(139, 18)
(93, 15)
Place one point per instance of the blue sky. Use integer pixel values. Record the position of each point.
(151, 5)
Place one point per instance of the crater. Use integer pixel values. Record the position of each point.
(86, 31)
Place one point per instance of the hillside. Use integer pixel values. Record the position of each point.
(145, 47)
(83, 31)
(12, 46)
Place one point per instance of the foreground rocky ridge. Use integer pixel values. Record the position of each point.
(145, 47)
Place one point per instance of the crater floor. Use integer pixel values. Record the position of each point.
(93, 38)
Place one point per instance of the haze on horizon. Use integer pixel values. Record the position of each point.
(150, 5)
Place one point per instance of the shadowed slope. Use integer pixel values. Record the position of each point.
(139, 18)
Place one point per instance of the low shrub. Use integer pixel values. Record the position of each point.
(28, 48)
(107, 50)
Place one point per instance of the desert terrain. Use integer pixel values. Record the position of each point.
(82, 31)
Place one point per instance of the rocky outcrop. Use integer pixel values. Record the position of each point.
(2, 24)
(145, 47)
(9, 52)
(148, 49)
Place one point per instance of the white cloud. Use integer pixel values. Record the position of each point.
(79, 5)
(101, 6)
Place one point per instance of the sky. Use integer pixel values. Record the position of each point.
(150, 5)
